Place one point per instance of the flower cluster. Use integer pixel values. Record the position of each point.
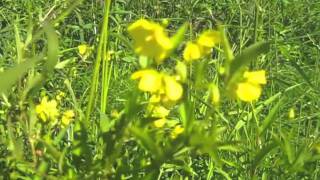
(202, 47)
(152, 41)
(48, 112)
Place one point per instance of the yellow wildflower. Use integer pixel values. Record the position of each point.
(83, 49)
(191, 52)
(173, 89)
(150, 39)
(206, 41)
(60, 95)
(67, 117)
(155, 82)
(177, 131)
(251, 89)
(248, 92)
(47, 110)
(160, 111)
(150, 80)
(160, 122)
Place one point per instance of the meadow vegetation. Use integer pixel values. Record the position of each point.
(159, 89)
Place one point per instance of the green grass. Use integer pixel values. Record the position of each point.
(236, 141)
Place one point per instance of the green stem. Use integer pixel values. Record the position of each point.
(100, 53)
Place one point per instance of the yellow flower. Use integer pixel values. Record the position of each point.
(205, 42)
(191, 52)
(251, 89)
(150, 39)
(208, 40)
(150, 80)
(60, 95)
(173, 89)
(83, 49)
(155, 82)
(177, 131)
(159, 111)
(248, 92)
(160, 122)
(47, 110)
(67, 117)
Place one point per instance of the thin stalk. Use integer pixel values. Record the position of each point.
(106, 70)
(95, 77)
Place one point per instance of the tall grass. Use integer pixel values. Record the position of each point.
(112, 137)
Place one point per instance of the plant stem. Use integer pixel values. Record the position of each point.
(99, 57)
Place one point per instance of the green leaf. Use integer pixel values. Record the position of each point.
(263, 153)
(53, 50)
(62, 64)
(270, 117)
(186, 113)
(9, 77)
(146, 141)
(179, 36)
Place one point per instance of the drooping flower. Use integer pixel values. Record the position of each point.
(150, 40)
(47, 110)
(250, 89)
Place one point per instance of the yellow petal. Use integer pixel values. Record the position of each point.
(248, 92)
(150, 40)
(191, 52)
(177, 131)
(173, 89)
(150, 80)
(256, 77)
(209, 39)
(67, 117)
(160, 122)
